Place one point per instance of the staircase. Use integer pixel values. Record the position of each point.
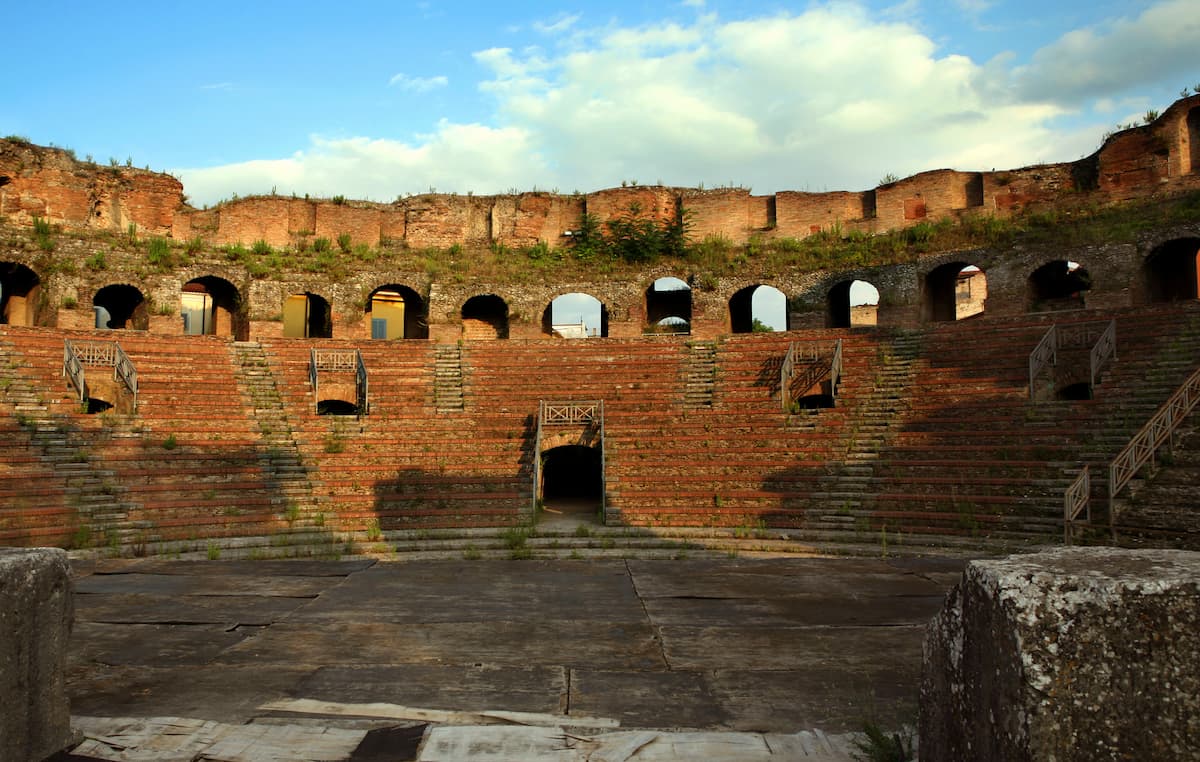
(448, 378)
(281, 458)
(700, 375)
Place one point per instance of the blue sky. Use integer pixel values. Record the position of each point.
(378, 100)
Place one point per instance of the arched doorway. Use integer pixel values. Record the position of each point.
(573, 479)
(210, 306)
(306, 316)
(1171, 271)
(954, 291)
(575, 316)
(852, 303)
(758, 309)
(121, 306)
(669, 306)
(485, 318)
(1058, 285)
(1193, 138)
(19, 289)
(397, 312)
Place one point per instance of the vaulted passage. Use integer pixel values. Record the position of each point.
(306, 316)
(572, 479)
(19, 289)
(210, 306)
(1171, 271)
(1193, 137)
(397, 312)
(669, 306)
(121, 306)
(1058, 285)
(852, 303)
(485, 318)
(954, 291)
(758, 309)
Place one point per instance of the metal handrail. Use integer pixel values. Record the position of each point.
(1145, 443)
(339, 361)
(790, 378)
(1103, 351)
(125, 372)
(361, 388)
(1045, 353)
(1077, 500)
(312, 378)
(73, 368)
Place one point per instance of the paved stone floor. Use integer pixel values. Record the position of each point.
(769, 646)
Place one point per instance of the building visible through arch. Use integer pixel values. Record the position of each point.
(211, 306)
(575, 315)
(306, 316)
(19, 290)
(397, 312)
(953, 291)
(121, 306)
(852, 303)
(1171, 271)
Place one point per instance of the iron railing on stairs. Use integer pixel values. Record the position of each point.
(802, 369)
(1159, 430)
(340, 361)
(1103, 345)
(78, 354)
(1077, 502)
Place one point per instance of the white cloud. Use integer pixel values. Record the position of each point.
(831, 98)
(560, 24)
(417, 84)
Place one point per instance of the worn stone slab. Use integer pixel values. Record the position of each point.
(298, 567)
(152, 645)
(35, 624)
(214, 694)
(764, 648)
(191, 609)
(437, 591)
(600, 645)
(203, 584)
(648, 699)
(1069, 654)
(794, 611)
(460, 687)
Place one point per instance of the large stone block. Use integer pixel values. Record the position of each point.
(35, 622)
(1068, 654)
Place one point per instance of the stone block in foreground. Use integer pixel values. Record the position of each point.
(1068, 654)
(35, 623)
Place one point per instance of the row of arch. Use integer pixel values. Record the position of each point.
(952, 291)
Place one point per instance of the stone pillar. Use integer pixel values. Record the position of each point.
(1068, 654)
(35, 622)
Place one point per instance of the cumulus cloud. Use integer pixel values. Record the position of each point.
(830, 98)
(417, 84)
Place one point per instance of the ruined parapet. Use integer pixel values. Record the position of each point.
(35, 623)
(1068, 654)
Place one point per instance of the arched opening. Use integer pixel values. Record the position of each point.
(668, 306)
(485, 318)
(1080, 390)
(1171, 271)
(813, 402)
(397, 312)
(852, 303)
(336, 407)
(1058, 285)
(19, 289)
(210, 306)
(306, 316)
(572, 479)
(96, 405)
(954, 291)
(575, 316)
(1193, 139)
(758, 309)
(121, 306)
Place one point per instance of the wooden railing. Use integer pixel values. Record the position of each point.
(1158, 430)
(802, 369)
(568, 413)
(339, 361)
(78, 354)
(1076, 501)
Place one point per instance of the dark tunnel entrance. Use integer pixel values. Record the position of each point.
(572, 479)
